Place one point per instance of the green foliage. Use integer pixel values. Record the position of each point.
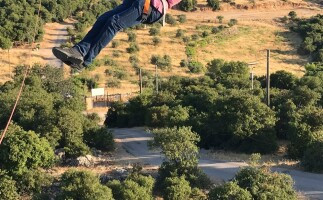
(100, 138)
(163, 63)
(196, 67)
(135, 187)
(214, 4)
(283, 80)
(177, 188)
(70, 124)
(188, 5)
(156, 41)
(228, 191)
(242, 121)
(178, 145)
(292, 15)
(132, 37)
(115, 43)
(180, 33)
(8, 188)
(232, 22)
(33, 182)
(181, 18)
(170, 19)
(305, 128)
(133, 48)
(22, 151)
(113, 83)
(5, 43)
(263, 184)
(83, 185)
(161, 116)
(153, 31)
(312, 159)
(311, 32)
(220, 18)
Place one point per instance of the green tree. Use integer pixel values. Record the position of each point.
(312, 159)
(83, 185)
(283, 80)
(230, 190)
(177, 188)
(8, 189)
(214, 4)
(22, 151)
(263, 184)
(187, 5)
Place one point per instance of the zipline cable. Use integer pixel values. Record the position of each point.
(24, 78)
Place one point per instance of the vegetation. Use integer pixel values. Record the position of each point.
(214, 4)
(17, 20)
(310, 31)
(83, 185)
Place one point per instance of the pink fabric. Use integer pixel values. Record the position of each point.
(158, 4)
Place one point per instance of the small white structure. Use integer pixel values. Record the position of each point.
(97, 92)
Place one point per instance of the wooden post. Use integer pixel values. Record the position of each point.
(140, 80)
(156, 79)
(268, 79)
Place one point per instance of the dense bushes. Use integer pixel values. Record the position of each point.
(311, 32)
(313, 157)
(83, 185)
(214, 4)
(230, 190)
(8, 188)
(177, 188)
(187, 5)
(136, 187)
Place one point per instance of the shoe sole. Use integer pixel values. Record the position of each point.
(65, 57)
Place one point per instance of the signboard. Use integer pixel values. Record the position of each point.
(97, 92)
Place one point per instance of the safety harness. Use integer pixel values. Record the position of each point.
(147, 10)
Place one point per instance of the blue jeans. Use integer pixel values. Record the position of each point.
(128, 14)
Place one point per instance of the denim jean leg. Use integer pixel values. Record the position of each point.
(84, 46)
(125, 19)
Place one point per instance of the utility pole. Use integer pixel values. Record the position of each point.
(268, 79)
(156, 78)
(140, 80)
(251, 73)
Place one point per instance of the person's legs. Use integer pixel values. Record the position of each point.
(127, 18)
(84, 45)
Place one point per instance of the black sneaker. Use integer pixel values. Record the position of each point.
(75, 67)
(68, 55)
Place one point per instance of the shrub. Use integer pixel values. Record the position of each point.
(181, 18)
(283, 80)
(154, 31)
(179, 33)
(100, 138)
(196, 67)
(161, 62)
(214, 4)
(133, 59)
(187, 5)
(33, 182)
(170, 19)
(177, 188)
(215, 30)
(135, 187)
(114, 83)
(313, 157)
(228, 191)
(8, 190)
(132, 37)
(205, 34)
(292, 15)
(83, 185)
(22, 151)
(186, 39)
(263, 184)
(197, 194)
(184, 63)
(156, 41)
(161, 116)
(116, 54)
(115, 43)
(220, 18)
(232, 22)
(133, 48)
(195, 37)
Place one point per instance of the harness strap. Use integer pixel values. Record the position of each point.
(147, 10)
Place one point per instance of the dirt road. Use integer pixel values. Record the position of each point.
(134, 141)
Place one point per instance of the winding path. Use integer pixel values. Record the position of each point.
(134, 141)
